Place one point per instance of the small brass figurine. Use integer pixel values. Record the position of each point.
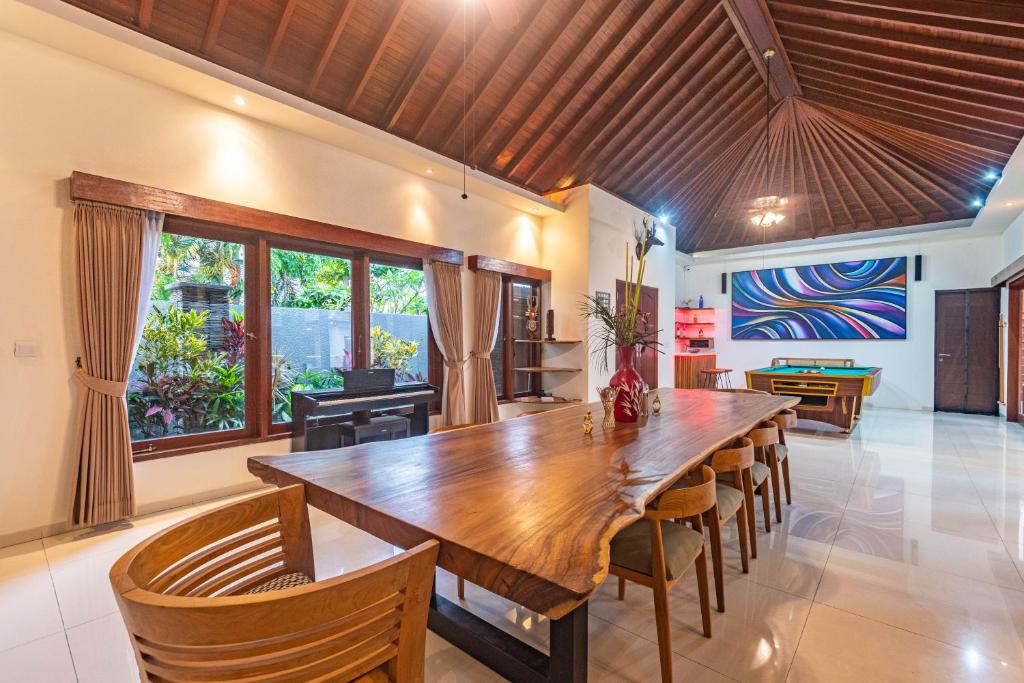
(656, 404)
(608, 395)
(588, 423)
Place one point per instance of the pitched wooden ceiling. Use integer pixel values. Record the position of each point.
(884, 112)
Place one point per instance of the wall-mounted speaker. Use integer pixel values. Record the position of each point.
(918, 269)
(724, 283)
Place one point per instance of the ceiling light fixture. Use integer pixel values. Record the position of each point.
(991, 175)
(976, 202)
(767, 210)
(430, 171)
(663, 218)
(239, 101)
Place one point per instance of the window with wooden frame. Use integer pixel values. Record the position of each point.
(250, 305)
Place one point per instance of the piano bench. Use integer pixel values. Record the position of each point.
(383, 428)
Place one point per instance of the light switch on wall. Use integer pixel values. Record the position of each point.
(26, 349)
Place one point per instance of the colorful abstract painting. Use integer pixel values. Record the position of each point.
(852, 300)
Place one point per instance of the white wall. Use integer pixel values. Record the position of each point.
(60, 113)
(611, 223)
(907, 366)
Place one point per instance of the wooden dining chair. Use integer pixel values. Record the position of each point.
(785, 420)
(656, 552)
(230, 595)
(766, 437)
(735, 494)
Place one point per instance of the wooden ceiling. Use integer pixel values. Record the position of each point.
(884, 112)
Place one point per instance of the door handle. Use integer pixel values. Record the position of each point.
(944, 355)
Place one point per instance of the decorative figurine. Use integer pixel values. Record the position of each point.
(700, 301)
(588, 423)
(656, 404)
(532, 322)
(644, 410)
(551, 325)
(608, 395)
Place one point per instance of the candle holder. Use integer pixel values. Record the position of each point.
(608, 395)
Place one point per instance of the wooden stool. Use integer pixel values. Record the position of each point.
(715, 378)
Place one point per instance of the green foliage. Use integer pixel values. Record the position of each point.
(397, 290)
(389, 351)
(172, 341)
(303, 280)
(194, 259)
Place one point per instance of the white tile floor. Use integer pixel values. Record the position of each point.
(900, 559)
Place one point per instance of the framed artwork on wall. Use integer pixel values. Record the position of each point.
(850, 300)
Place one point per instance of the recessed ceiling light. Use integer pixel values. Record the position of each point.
(976, 202)
(991, 175)
(430, 171)
(663, 218)
(239, 101)
(1009, 203)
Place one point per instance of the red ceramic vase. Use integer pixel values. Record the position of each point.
(630, 385)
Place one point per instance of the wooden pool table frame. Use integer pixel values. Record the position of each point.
(844, 396)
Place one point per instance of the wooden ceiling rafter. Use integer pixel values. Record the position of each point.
(995, 12)
(144, 14)
(427, 53)
(669, 122)
(524, 30)
(753, 23)
(344, 15)
(631, 98)
(217, 11)
(382, 41)
(278, 37)
(527, 75)
(667, 100)
(575, 56)
(815, 173)
(580, 85)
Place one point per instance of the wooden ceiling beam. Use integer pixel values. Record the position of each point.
(998, 123)
(694, 144)
(610, 46)
(812, 161)
(672, 120)
(332, 42)
(527, 75)
(1006, 13)
(144, 14)
(526, 26)
(213, 25)
(874, 13)
(425, 55)
(853, 102)
(754, 25)
(279, 33)
(381, 42)
(964, 55)
(544, 89)
(957, 91)
(649, 74)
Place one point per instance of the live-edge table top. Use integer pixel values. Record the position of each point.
(524, 507)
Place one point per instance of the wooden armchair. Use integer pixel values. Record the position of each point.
(656, 552)
(766, 437)
(230, 595)
(787, 419)
(735, 493)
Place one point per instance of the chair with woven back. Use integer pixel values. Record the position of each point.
(230, 595)
(735, 493)
(656, 551)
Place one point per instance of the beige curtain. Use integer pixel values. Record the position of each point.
(484, 407)
(444, 304)
(108, 252)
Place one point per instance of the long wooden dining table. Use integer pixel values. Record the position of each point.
(525, 508)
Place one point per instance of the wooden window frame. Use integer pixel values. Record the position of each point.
(260, 231)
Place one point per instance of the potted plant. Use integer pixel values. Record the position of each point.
(625, 328)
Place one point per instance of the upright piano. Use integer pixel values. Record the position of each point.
(317, 413)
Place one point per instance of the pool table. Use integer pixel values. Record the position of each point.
(830, 390)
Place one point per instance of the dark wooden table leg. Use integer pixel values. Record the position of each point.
(419, 423)
(568, 658)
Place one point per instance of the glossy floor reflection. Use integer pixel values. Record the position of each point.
(899, 560)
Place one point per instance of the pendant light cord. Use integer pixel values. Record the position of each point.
(767, 149)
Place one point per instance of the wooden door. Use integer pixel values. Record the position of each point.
(966, 351)
(647, 363)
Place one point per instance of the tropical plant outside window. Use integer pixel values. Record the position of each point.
(398, 321)
(189, 372)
